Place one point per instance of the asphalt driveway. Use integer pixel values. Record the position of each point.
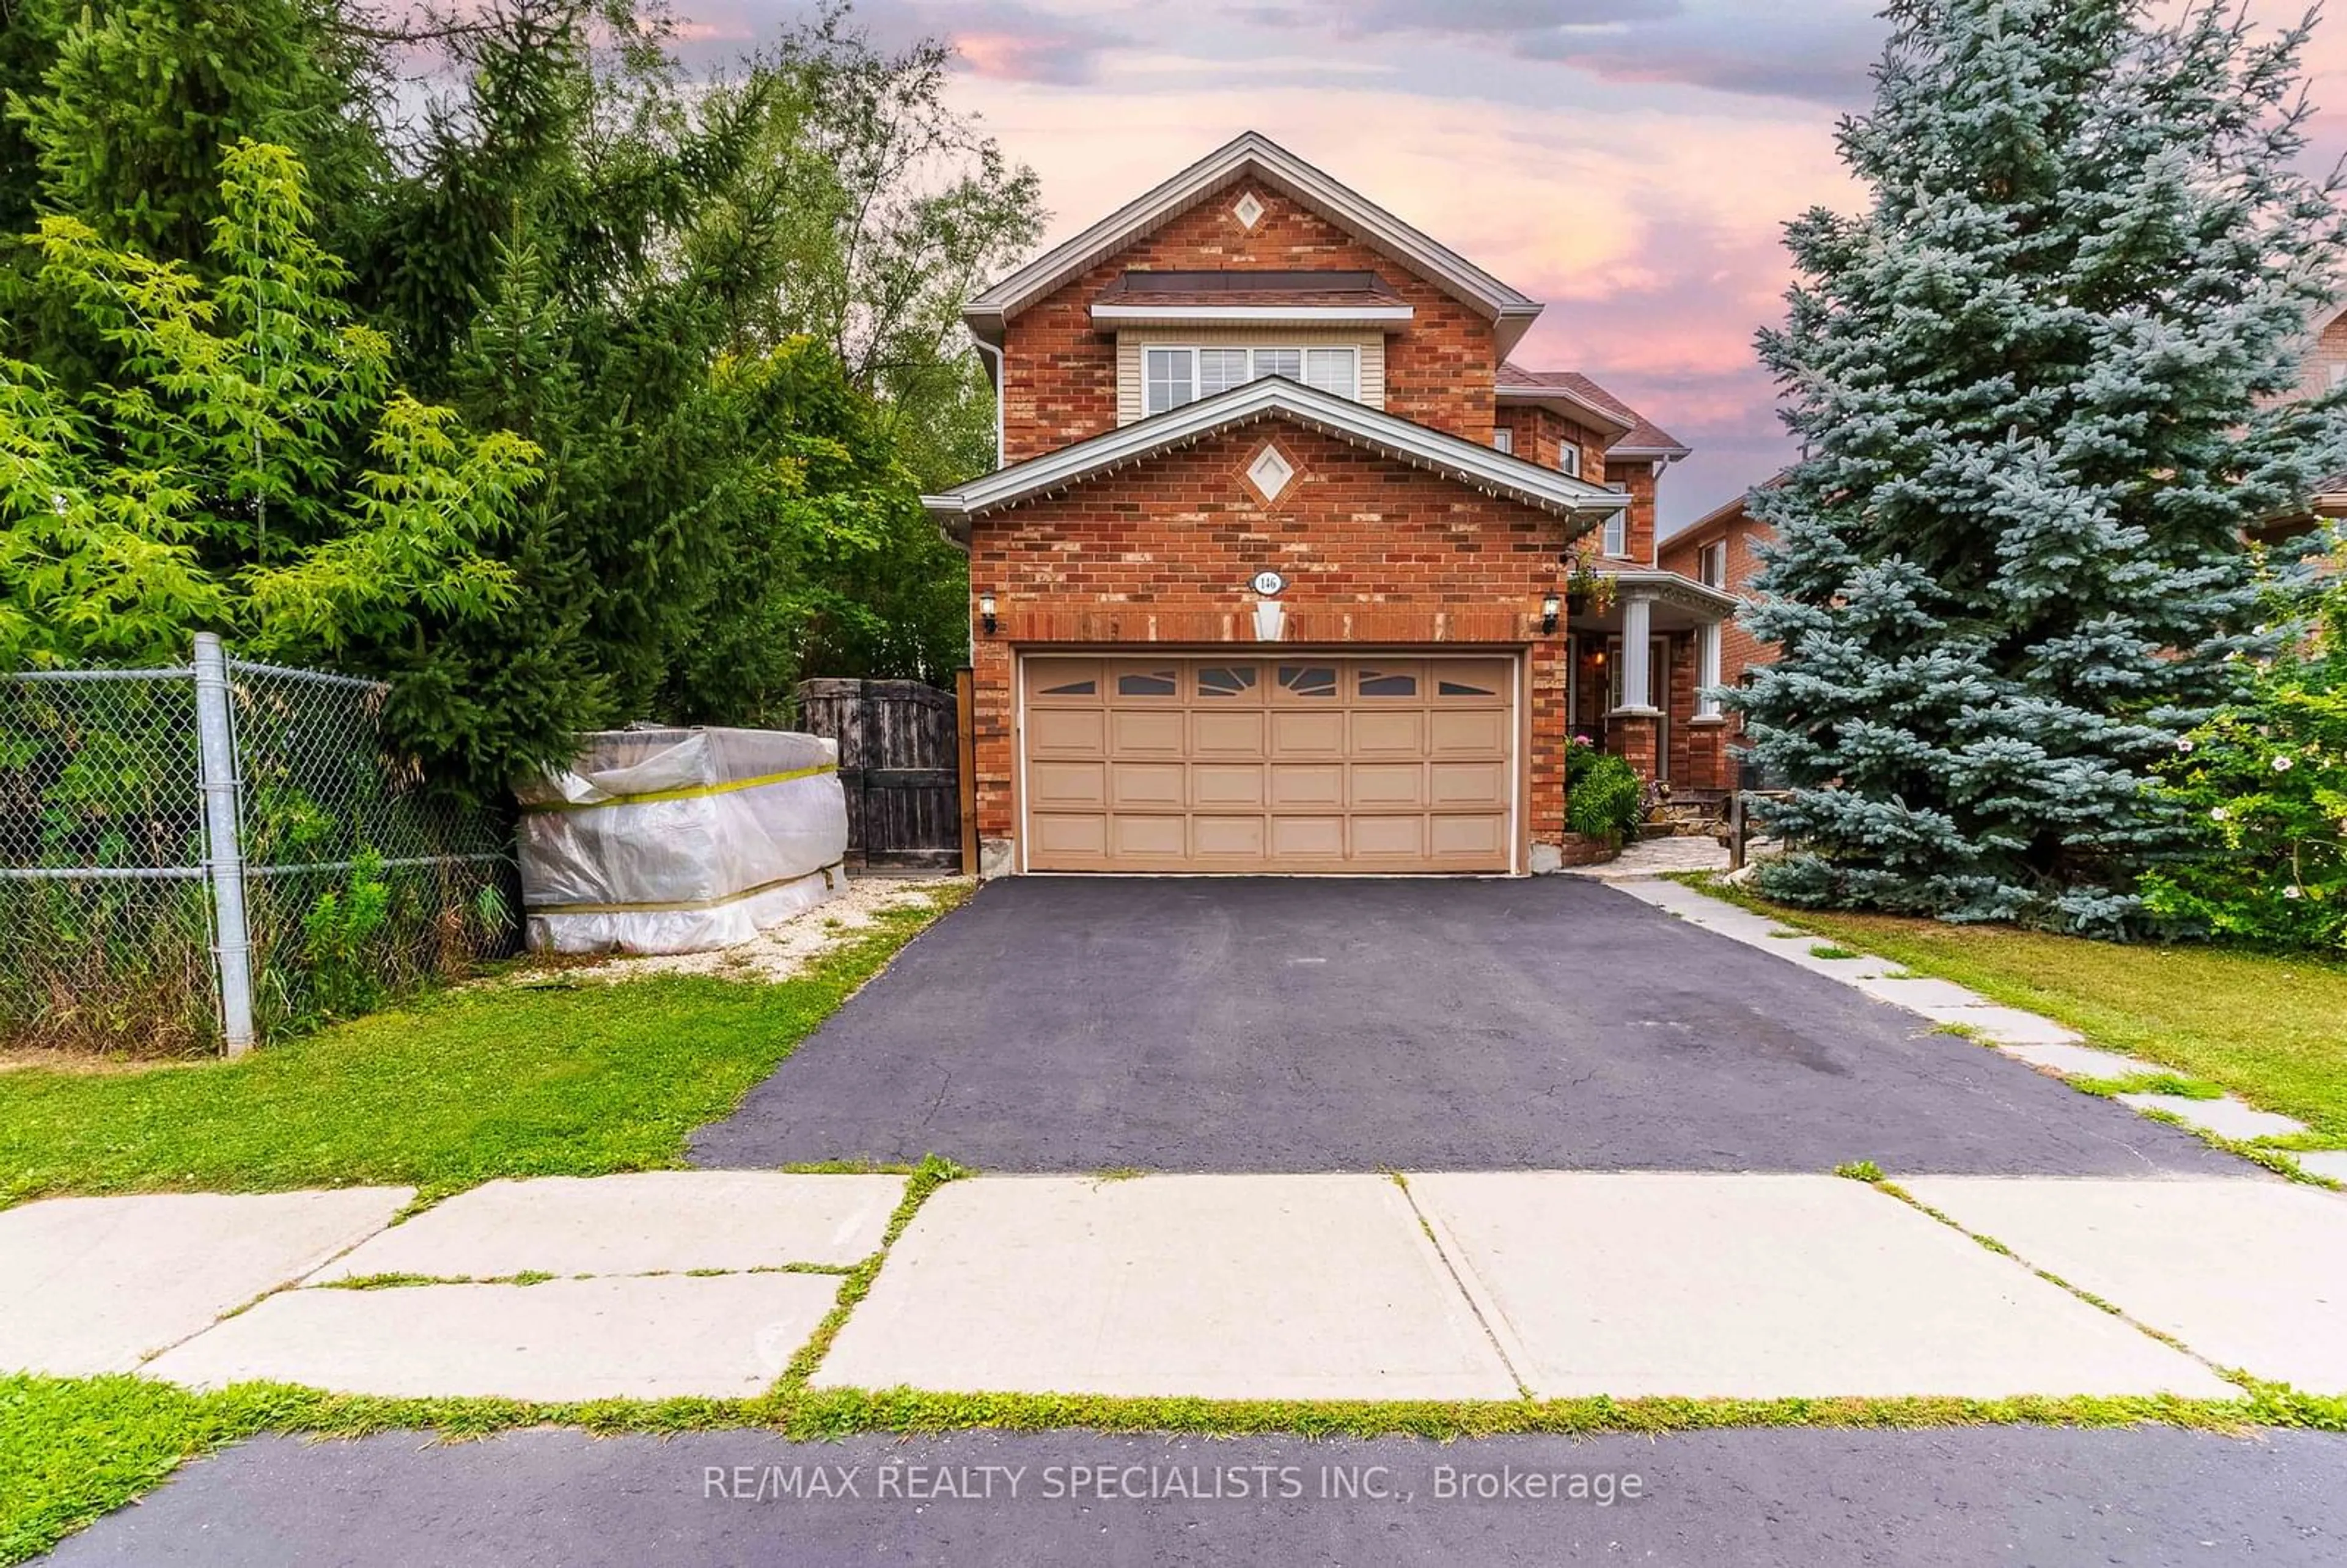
(1068, 1024)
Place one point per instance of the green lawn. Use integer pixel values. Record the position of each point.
(2272, 1029)
(559, 1076)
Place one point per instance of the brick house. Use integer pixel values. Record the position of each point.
(1272, 573)
(1721, 550)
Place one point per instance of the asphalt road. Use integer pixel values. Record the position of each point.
(2025, 1497)
(1192, 1024)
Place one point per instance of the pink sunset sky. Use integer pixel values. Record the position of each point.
(1627, 161)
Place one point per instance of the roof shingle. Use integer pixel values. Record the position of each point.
(1645, 436)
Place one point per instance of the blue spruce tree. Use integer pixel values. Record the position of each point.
(2042, 385)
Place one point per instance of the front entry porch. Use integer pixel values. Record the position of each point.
(1640, 659)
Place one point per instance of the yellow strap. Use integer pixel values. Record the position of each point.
(830, 882)
(690, 792)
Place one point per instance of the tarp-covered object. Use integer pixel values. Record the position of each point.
(679, 841)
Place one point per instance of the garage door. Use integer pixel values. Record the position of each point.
(1364, 763)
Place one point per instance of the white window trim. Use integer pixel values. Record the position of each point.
(1711, 564)
(1503, 439)
(1568, 458)
(1614, 539)
(1302, 350)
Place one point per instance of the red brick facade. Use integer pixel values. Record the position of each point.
(1741, 536)
(1157, 550)
(1378, 554)
(1060, 370)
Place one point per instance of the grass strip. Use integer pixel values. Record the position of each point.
(72, 1450)
(569, 1077)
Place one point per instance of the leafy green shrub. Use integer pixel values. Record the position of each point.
(1602, 793)
(337, 942)
(2268, 784)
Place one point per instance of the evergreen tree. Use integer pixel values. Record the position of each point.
(2041, 386)
(120, 111)
(255, 471)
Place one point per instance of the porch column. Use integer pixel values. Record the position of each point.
(1637, 629)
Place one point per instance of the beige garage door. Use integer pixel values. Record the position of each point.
(1297, 763)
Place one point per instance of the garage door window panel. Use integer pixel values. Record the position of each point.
(1308, 682)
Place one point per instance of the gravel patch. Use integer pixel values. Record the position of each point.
(779, 952)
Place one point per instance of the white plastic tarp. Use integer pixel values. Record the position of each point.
(679, 841)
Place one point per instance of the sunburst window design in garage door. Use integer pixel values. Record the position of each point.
(1309, 679)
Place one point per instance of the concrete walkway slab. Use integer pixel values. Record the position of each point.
(2330, 1163)
(1928, 997)
(2014, 1026)
(1768, 1287)
(647, 1223)
(2079, 1060)
(720, 1335)
(2248, 1272)
(1213, 1287)
(2226, 1117)
(97, 1285)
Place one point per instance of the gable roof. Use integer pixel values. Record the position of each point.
(1275, 397)
(1642, 437)
(1254, 155)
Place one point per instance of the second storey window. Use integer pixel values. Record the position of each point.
(1568, 458)
(1711, 565)
(1174, 377)
(1616, 538)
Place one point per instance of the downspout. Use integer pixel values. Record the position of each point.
(994, 375)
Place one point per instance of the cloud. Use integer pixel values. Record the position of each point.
(1001, 40)
(1484, 18)
(1812, 50)
(1820, 59)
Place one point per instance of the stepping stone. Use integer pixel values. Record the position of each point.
(2078, 1061)
(2227, 1118)
(648, 1223)
(1233, 1287)
(2012, 1026)
(2330, 1162)
(99, 1285)
(1764, 1286)
(720, 1337)
(2248, 1272)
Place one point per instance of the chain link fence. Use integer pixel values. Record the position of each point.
(181, 872)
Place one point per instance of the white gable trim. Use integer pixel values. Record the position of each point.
(1253, 152)
(1470, 463)
(1583, 411)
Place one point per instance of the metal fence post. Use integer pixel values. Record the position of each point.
(216, 774)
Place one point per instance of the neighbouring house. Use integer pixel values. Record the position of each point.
(1722, 550)
(2325, 368)
(1271, 576)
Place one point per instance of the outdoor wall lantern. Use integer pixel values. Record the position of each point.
(1548, 615)
(986, 612)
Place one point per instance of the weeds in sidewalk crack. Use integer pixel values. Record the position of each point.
(930, 1175)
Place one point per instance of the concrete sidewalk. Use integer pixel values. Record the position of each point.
(1434, 1286)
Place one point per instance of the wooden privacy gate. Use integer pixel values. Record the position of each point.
(905, 764)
